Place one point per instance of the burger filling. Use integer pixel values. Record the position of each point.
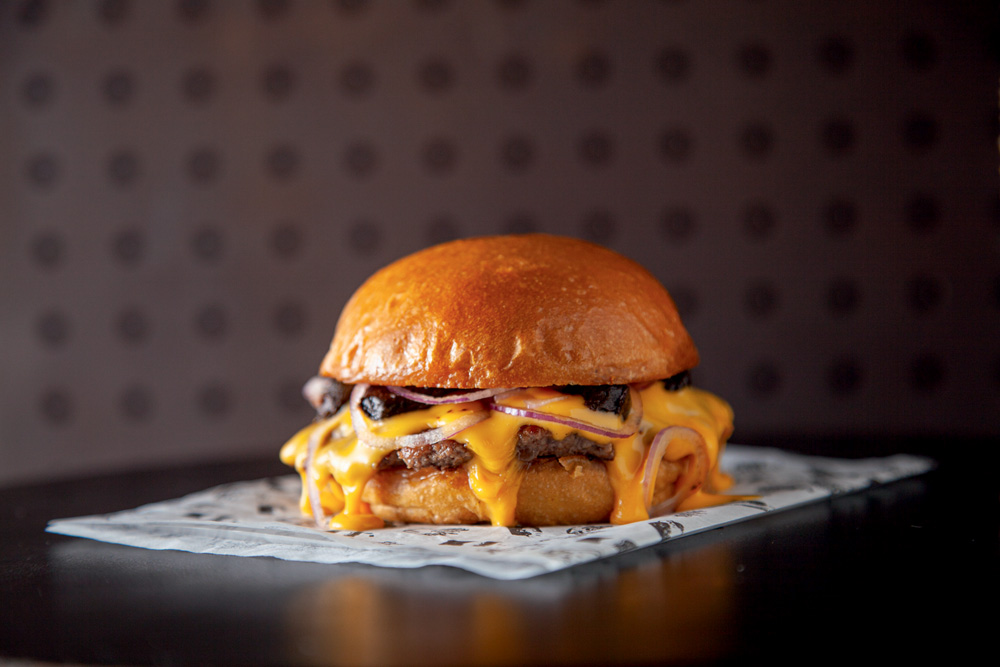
(497, 434)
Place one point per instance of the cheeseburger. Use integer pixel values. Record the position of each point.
(533, 380)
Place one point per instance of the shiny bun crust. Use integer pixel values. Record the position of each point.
(554, 492)
(510, 311)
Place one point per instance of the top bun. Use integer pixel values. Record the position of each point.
(510, 311)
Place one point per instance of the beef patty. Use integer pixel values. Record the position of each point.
(532, 442)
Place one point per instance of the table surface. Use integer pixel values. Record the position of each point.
(899, 569)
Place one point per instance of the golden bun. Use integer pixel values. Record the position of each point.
(553, 492)
(510, 311)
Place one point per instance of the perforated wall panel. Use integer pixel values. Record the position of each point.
(191, 190)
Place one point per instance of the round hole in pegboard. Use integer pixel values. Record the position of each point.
(38, 90)
(843, 296)
(365, 237)
(128, 246)
(920, 131)
(517, 153)
(442, 228)
(361, 159)
(123, 168)
(277, 82)
(686, 300)
(439, 156)
(599, 226)
(514, 72)
(208, 244)
(594, 68)
(136, 403)
(289, 319)
(198, 85)
(844, 376)
(56, 406)
(918, 50)
(520, 222)
(273, 9)
(356, 78)
(214, 400)
(350, 7)
(835, 54)
(192, 11)
(114, 12)
(203, 166)
(32, 13)
(756, 140)
(42, 170)
(759, 221)
(286, 240)
(211, 322)
(927, 373)
(673, 64)
(288, 397)
(53, 329)
(436, 75)
(678, 223)
(47, 250)
(840, 217)
(754, 60)
(764, 379)
(596, 148)
(132, 326)
(282, 162)
(838, 136)
(923, 213)
(761, 299)
(118, 87)
(675, 144)
(924, 294)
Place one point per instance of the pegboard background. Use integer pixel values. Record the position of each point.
(191, 190)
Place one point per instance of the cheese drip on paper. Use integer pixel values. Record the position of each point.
(343, 465)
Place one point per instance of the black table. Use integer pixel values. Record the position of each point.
(908, 568)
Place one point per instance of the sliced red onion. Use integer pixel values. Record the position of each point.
(630, 426)
(311, 489)
(464, 397)
(384, 444)
(688, 482)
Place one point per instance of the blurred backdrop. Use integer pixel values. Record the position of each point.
(190, 190)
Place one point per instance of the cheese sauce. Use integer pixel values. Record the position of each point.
(343, 465)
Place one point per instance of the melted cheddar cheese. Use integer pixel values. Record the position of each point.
(343, 465)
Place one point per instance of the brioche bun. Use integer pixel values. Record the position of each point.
(510, 311)
(554, 492)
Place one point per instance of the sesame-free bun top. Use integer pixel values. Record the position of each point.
(530, 310)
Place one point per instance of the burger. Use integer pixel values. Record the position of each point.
(512, 380)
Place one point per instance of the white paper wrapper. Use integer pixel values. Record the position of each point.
(262, 518)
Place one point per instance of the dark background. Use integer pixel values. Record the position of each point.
(189, 192)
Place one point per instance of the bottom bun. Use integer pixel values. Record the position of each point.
(554, 492)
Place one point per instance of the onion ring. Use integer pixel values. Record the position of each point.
(465, 397)
(384, 444)
(688, 482)
(630, 427)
